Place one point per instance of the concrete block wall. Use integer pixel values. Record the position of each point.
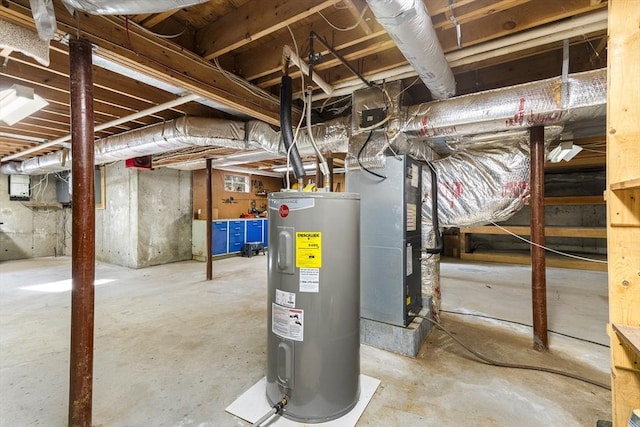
(35, 228)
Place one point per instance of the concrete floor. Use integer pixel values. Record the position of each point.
(174, 350)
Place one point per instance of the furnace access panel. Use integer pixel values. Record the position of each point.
(390, 236)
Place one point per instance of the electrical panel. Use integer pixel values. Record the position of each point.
(19, 187)
(390, 236)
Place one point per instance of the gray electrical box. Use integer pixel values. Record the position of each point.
(390, 236)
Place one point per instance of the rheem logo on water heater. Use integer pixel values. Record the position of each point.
(283, 211)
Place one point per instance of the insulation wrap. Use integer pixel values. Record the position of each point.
(128, 7)
(516, 107)
(15, 37)
(484, 182)
(409, 25)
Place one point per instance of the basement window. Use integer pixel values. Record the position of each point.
(236, 183)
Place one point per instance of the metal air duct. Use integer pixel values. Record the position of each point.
(409, 25)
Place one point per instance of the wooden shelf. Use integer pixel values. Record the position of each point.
(525, 230)
(630, 335)
(630, 184)
(574, 200)
(522, 258)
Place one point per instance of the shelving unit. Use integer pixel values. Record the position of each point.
(524, 258)
(623, 205)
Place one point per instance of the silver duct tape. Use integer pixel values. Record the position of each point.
(129, 7)
(409, 25)
(372, 155)
(23, 40)
(516, 107)
(487, 182)
(45, 18)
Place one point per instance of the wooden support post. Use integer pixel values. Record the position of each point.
(209, 220)
(83, 234)
(623, 202)
(538, 262)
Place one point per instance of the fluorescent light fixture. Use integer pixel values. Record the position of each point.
(19, 102)
(307, 167)
(566, 151)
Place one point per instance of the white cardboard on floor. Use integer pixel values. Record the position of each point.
(252, 404)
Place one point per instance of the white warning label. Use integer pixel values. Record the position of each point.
(287, 322)
(309, 280)
(287, 299)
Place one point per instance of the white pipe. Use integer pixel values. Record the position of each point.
(143, 113)
(503, 46)
(574, 24)
(295, 59)
(409, 25)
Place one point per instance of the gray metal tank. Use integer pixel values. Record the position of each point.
(313, 335)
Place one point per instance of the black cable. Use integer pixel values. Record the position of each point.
(492, 362)
(523, 324)
(360, 154)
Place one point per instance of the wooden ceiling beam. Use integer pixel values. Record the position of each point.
(379, 46)
(104, 100)
(266, 59)
(470, 12)
(155, 19)
(356, 8)
(140, 51)
(527, 16)
(252, 21)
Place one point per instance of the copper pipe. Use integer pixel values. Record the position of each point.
(209, 220)
(83, 234)
(538, 262)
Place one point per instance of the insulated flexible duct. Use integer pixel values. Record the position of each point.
(423, 126)
(409, 25)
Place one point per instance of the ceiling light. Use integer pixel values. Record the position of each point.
(19, 102)
(307, 166)
(566, 151)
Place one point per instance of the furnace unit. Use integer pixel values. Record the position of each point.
(390, 236)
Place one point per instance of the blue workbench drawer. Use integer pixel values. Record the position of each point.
(254, 230)
(219, 232)
(236, 235)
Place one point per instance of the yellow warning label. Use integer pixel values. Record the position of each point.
(309, 249)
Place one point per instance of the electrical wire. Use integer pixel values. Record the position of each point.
(500, 364)
(547, 248)
(335, 27)
(482, 316)
(295, 46)
(360, 154)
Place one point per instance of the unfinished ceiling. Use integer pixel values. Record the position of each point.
(228, 55)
